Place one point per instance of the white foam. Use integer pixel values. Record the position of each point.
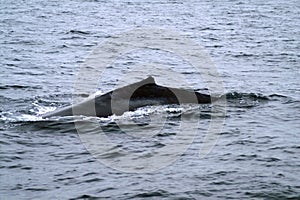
(39, 110)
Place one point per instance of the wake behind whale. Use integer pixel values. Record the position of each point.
(131, 97)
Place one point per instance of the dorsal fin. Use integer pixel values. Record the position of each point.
(148, 80)
(134, 86)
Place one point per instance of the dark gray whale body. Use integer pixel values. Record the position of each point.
(129, 98)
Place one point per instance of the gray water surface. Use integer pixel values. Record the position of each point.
(255, 47)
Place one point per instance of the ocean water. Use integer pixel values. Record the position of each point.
(255, 48)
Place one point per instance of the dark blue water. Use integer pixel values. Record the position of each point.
(255, 47)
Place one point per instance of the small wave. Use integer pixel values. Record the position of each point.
(257, 96)
(249, 100)
(85, 196)
(251, 96)
(36, 189)
(277, 96)
(245, 100)
(244, 55)
(79, 32)
(156, 194)
(25, 42)
(284, 193)
(5, 87)
(284, 99)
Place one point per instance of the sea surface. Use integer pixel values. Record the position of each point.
(255, 48)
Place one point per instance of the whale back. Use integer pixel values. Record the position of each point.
(130, 97)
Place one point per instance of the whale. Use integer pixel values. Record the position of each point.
(130, 98)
